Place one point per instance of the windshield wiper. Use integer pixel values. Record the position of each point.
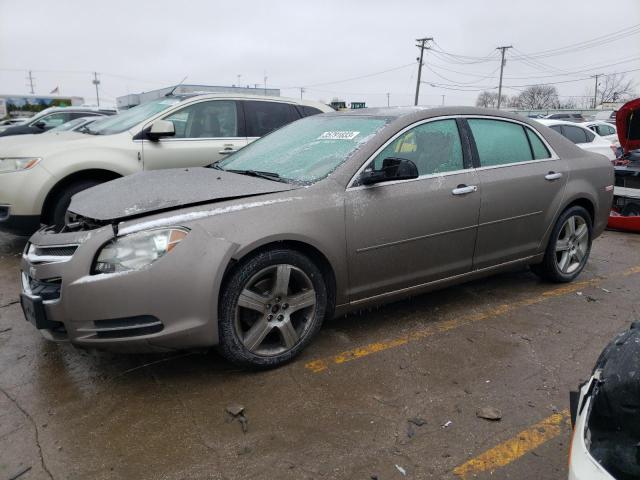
(257, 173)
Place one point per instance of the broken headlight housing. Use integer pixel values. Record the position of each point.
(137, 250)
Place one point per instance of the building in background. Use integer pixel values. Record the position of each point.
(134, 99)
(28, 105)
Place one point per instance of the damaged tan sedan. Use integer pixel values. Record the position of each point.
(331, 213)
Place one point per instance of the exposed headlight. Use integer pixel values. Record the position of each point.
(16, 164)
(136, 251)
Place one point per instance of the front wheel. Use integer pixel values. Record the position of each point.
(569, 247)
(272, 305)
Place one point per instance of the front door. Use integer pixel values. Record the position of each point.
(522, 185)
(206, 132)
(405, 233)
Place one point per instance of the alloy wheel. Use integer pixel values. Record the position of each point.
(275, 310)
(572, 244)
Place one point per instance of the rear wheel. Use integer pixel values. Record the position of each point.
(569, 247)
(60, 202)
(271, 306)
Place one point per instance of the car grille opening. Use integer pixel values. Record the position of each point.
(48, 289)
(63, 251)
(125, 327)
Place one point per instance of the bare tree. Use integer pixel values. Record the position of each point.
(539, 97)
(489, 99)
(615, 88)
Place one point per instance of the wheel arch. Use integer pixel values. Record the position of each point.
(306, 248)
(102, 175)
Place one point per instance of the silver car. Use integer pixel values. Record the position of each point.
(330, 213)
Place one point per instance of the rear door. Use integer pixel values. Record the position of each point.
(405, 233)
(522, 183)
(206, 132)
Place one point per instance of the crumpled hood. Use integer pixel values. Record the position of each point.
(159, 190)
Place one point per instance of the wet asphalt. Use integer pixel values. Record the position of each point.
(71, 414)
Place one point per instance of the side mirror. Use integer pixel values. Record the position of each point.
(392, 169)
(40, 125)
(159, 129)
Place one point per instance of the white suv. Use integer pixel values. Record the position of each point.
(37, 180)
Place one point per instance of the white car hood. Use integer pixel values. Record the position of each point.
(45, 144)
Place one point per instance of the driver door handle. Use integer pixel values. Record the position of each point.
(464, 189)
(227, 151)
(551, 176)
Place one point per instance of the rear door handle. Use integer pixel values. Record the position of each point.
(551, 176)
(464, 189)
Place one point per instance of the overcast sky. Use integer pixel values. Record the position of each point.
(137, 46)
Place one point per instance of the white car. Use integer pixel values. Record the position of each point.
(604, 129)
(606, 437)
(581, 136)
(38, 178)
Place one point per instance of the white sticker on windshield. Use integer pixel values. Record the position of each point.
(344, 135)
(169, 102)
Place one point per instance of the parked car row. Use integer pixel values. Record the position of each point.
(583, 136)
(52, 117)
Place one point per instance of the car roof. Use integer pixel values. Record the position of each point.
(245, 96)
(552, 121)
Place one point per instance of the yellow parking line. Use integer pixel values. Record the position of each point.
(514, 448)
(323, 364)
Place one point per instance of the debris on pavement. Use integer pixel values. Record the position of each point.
(447, 424)
(401, 470)
(605, 290)
(417, 421)
(237, 412)
(489, 413)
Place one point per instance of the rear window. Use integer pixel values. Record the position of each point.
(539, 149)
(499, 142)
(308, 111)
(265, 117)
(577, 134)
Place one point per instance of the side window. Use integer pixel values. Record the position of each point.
(54, 119)
(212, 119)
(264, 117)
(540, 151)
(434, 147)
(575, 134)
(308, 111)
(499, 142)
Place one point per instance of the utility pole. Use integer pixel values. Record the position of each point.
(443, 100)
(502, 62)
(301, 92)
(595, 90)
(96, 82)
(265, 82)
(388, 96)
(421, 46)
(31, 79)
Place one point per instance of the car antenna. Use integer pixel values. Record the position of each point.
(169, 94)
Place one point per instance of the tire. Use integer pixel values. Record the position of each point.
(562, 265)
(631, 210)
(257, 324)
(60, 202)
